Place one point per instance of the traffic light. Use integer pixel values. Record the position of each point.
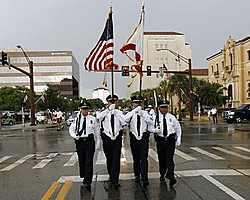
(125, 70)
(148, 70)
(4, 58)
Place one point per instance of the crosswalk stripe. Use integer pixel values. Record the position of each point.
(231, 153)
(243, 149)
(72, 161)
(153, 154)
(4, 158)
(207, 153)
(127, 155)
(18, 162)
(183, 155)
(223, 188)
(42, 164)
(101, 159)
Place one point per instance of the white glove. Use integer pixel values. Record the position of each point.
(158, 129)
(178, 141)
(137, 109)
(77, 137)
(97, 145)
(112, 107)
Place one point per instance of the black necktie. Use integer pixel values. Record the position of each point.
(113, 123)
(138, 124)
(165, 128)
(84, 125)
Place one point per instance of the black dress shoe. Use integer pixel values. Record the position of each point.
(172, 182)
(162, 178)
(145, 185)
(88, 187)
(84, 182)
(137, 178)
(109, 179)
(116, 185)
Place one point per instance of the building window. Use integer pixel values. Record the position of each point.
(231, 61)
(212, 69)
(161, 61)
(248, 53)
(166, 61)
(166, 46)
(161, 46)
(156, 46)
(222, 64)
(248, 90)
(217, 67)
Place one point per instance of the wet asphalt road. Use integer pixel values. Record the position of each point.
(213, 162)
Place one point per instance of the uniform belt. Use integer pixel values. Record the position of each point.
(90, 137)
(171, 136)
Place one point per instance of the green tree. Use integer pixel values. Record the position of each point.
(11, 97)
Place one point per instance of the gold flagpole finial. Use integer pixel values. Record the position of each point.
(110, 7)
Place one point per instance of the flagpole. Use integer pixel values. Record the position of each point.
(140, 84)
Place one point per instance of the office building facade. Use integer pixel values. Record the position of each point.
(57, 68)
(160, 41)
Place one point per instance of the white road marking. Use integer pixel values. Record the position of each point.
(243, 149)
(183, 155)
(52, 155)
(72, 161)
(127, 155)
(101, 159)
(223, 187)
(66, 154)
(207, 153)
(245, 171)
(4, 158)
(231, 152)
(42, 164)
(18, 162)
(153, 154)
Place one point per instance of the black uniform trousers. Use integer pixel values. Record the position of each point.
(85, 151)
(112, 151)
(165, 150)
(139, 150)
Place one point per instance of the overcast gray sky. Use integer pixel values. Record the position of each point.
(77, 25)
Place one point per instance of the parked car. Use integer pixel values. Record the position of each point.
(41, 118)
(8, 121)
(71, 119)
(238, 115)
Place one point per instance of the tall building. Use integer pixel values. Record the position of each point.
(231, 68)
(100, 93)
(58, 68)
(152, 42)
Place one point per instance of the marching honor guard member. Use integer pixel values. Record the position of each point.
(139, 122)
(168, 135)
(112, 121)
(86, 131)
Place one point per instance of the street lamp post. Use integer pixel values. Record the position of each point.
(32, 101)
(188, 61)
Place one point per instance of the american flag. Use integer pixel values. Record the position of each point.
(25, 98)
(194, 93)
(134, 45)
(182, 92)
(101, 56)
(42, 98)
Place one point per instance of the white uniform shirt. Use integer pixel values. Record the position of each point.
(92, 127)
(173, 125)
(118, 122)
(146, 121)
(213, 111)
(58, 114)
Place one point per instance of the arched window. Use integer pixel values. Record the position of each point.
(231, 61)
